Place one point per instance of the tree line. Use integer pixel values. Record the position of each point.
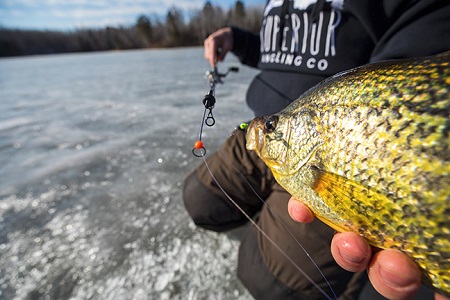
(147, 32)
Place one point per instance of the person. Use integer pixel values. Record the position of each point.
(301, 43)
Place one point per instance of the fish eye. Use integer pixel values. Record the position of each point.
(271, 124)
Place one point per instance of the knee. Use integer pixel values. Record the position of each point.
(192, 198)
(207, 209)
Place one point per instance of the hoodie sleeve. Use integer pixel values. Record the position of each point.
(246, 46)
(421, 29)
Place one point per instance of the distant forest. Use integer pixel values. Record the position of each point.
(147, 32)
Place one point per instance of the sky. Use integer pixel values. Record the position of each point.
(76, 14)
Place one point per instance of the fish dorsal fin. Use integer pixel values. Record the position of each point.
(359, 208)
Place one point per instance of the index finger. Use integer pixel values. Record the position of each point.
(299, 212)
(210, 51)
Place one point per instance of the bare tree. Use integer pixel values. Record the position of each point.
(174, 31)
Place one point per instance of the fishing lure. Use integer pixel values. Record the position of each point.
(209, 101)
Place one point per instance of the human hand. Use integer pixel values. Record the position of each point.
(218, 44)
(393, 274)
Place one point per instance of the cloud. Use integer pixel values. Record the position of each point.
(80, 13)
(68, 14)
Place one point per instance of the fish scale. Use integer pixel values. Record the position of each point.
(367, 151)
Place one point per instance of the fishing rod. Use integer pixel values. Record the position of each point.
(209, 101)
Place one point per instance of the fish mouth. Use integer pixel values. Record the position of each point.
(254, 136)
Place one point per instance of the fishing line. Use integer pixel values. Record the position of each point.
(199, 150)
(265, 234)
(243, 126)
(290, 233)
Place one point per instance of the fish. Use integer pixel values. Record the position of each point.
(367, 150)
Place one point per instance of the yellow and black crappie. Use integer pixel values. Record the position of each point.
(368, 151)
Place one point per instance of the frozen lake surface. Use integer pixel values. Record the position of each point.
(93, 151)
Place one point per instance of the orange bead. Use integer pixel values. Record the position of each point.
(198, 145)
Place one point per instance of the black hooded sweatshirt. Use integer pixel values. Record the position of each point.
(317, 39)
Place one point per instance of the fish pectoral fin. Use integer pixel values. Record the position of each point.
(353, 204)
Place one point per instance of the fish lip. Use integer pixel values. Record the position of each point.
(253, 142)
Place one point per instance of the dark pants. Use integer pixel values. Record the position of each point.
(262, 268)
